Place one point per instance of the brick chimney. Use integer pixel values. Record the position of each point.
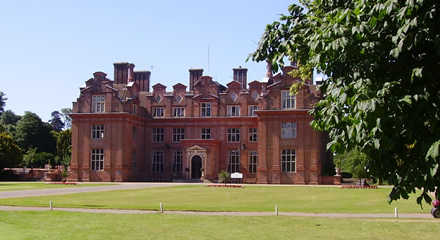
(240, 75)
(194, 75)
(142, 78)
(123, 72)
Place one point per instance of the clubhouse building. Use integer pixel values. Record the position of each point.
(124, 131)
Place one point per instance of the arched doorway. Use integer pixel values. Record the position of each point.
(196, 167)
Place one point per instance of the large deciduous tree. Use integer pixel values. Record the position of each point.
(382, 59)
(31, 132)
(10, 152)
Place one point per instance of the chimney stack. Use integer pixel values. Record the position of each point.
(142, 78)
(123, 72)
(240, 75)
(194, 75)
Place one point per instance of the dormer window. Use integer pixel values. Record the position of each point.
(287, 100)
(157, 112)
(252, 109)
(98, 103)
(205, 110)
(179, 112)
(234, 110)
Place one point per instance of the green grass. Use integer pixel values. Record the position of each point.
(249, 198)
(65, 225)
(14, 186)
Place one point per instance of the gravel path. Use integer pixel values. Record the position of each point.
(296, 214)
(61, 191)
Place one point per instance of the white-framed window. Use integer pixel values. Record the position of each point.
(205, 109)
(97, 159)
(206, 133)
(288, 130)
(253, 158)
(158, 135)
(157, 164)
(234, 161)
(252, 134)
(98, 131)
(179, 112)
(252, 109)
(233, 110)
(287, 100)
(177, 164)
(288, 162)
(178, 134)
(233, 134)
(98, 103)
(157, 112)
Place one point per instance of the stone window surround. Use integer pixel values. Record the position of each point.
(97, 159)
(98, 103)
(157, 160)
(253, 160)
(97, 131)
(233, 135)
(288, 161)
(288, 101)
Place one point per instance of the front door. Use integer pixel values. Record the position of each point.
(196, 167)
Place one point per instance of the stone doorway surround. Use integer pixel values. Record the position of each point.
(193, 151)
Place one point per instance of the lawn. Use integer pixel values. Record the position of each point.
(66, 225)
(249, 198)
(14, 186)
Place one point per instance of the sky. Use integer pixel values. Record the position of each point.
(48, 49)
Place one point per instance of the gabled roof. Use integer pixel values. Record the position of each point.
(234, 84)
(158, 85)
(179, 85)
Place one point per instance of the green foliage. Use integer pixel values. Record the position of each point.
(34, 133)
(354, 162)
(66, 117)
(383, 94)
(9, 117)
(10, 152)
(34, 159)
(2, 102)
(56, 122)
(64, 147)
(223, 176)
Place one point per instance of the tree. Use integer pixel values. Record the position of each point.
(31, 132)
(354, 162)
(9, 117)
(64, 147)
(382, 93)
(2, 102)
(10, 152)
(56, 122)
(66, 117)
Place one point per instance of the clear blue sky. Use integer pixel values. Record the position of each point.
(48, 49)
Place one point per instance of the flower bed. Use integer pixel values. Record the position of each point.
(65, 183)
(360, 187)
(225, 185)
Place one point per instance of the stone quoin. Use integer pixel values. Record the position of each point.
(122, 131)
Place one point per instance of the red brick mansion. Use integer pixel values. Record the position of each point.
(123, 131)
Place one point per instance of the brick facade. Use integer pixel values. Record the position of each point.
(122, 131)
